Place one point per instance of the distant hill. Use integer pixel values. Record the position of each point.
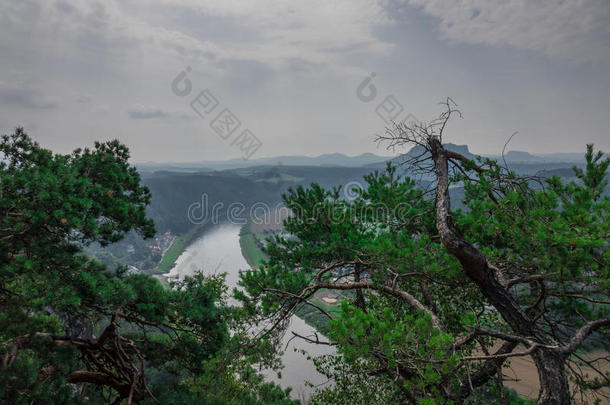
(517, 156)
(565, 173)
(519, 160)
(173, 192)
(327, 160)
(520, 156)
(564, 157)
(419, 151)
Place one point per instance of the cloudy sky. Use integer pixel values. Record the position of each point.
(164, 76)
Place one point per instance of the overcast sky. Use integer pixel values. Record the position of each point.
(291, 73)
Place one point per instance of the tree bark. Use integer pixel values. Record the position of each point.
(551, 365)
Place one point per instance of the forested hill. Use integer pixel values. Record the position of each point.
(174, 190)
(175, 186)
(210, 195)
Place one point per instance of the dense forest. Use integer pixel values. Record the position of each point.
(446, 275)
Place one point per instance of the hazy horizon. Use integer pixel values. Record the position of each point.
(303, 78)
(389, 155)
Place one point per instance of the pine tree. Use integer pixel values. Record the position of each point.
(438, 299)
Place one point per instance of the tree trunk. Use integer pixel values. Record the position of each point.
(550, 363)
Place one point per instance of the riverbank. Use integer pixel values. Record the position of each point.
(177, 247)
(249, 244)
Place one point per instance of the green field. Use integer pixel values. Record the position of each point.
(172, 253)
(175, 250)
(249, 247)
(313, 317)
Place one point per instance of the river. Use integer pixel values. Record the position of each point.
(218, 251)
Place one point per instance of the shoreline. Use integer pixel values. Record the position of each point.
(177, 247)
(249, 248)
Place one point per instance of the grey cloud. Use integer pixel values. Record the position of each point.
(64, 7)
(83, 98)
(243, 73)
(146, 113)
(207, 31)
(355, 47)
(576, 30)
(24, 97)
(301, 65)
(207, 27)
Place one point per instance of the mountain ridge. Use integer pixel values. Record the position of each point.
(367, 159)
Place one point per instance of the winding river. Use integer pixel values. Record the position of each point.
(218, 251)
